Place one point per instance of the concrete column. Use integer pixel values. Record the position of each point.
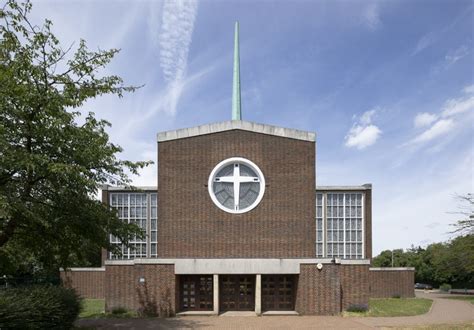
(258, 294)
(216, 294)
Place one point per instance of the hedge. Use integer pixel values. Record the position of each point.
(39, 307)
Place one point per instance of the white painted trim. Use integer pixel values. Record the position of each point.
(84, 269)
(382, 269)
(229, 161)
(343, 188)
(233, 125)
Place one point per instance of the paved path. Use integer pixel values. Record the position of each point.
(443, 311)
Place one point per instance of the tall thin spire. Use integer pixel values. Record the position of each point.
(236, 110)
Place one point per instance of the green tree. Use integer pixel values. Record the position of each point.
(465, 224)
(51, 161)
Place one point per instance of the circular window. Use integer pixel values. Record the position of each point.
(236, 185)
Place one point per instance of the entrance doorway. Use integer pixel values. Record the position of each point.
(237, 293)
(196, 292)
(278, 292)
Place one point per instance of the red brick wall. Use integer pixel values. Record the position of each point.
(281, 226)
(388, 283)
(319, 291)
(355, 285)
(88, 284)
(157, 293)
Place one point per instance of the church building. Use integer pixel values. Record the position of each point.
(237, 222)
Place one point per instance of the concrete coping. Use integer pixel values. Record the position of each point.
(233, 125)
(394, 269)
(366, 186)
(128, 188)
(318, 188)
(84, 269)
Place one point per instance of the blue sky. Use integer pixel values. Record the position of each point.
(387, 86)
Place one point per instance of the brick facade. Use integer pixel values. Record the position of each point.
(157, 294)
(87, 283)
(281, 226)
(318, 291)
(354, 285)
(388, 283)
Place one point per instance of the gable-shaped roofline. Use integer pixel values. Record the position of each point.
(236, 125)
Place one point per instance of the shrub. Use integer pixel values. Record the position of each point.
(38, 307)
(119, 310)
(358, 308)
(396, 296)
(445, 287)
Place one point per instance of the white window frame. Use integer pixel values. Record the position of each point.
(229, 161)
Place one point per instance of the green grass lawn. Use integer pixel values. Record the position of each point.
(93, 308)
(395, 307)
(466, 298)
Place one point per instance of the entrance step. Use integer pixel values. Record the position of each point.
(280, 313)
(195, 313)
(238, 313)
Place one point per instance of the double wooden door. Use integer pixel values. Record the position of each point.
(278, 292)
(237, 292)
(196, 292)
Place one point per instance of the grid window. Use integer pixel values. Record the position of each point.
(344, 225)
(131, 208)
(153, 227)
(319, 226)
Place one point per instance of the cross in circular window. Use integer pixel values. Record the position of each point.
(237, 179)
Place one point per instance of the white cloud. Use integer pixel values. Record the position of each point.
(424, 42)
(441, 127)
(174, 39)
(457, 106)
(371, 16)
(424, 119)
(455, 55)
(366, 117)
(364, 133)
(469, 89)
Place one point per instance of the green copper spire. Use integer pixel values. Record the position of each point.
(236, 111)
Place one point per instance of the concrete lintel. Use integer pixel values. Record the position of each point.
(384, 269)
(233, 125)
(236, 265)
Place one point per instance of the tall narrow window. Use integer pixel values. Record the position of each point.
(319, 226)
(153, 227)
(131, 208)
(344, 215)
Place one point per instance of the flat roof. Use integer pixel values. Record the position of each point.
(366, 186)
(236, 125)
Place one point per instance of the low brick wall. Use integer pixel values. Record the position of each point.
(141, 287)
(88, 282)
(318, 291)
(390, 282)
(354, 285)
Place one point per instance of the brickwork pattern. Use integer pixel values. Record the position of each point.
(281, 226)
(319, 291)
(389, 283)
(88, 284)
(354, 285)
(156, 295)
